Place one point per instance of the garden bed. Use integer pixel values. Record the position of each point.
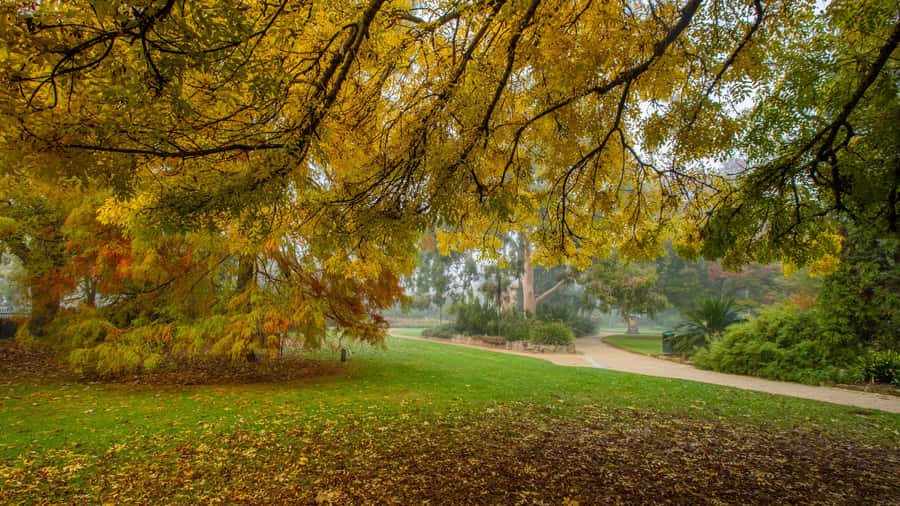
(523, 346)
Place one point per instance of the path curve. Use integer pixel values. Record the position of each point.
(594, 352)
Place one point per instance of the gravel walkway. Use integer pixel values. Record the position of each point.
(594, 352)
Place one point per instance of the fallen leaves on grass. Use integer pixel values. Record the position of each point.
(517, 453)
(34, 362)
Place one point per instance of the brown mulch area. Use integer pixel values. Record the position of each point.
(40, 363)
(34, 362)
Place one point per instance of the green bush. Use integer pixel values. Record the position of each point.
(552, 333)
(514, 326)
(782, 343)
(881, 367)
(445, 331)
(474, 318)
(579, 325)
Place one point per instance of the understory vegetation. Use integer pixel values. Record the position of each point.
(553, 325)
(423, 422)
(783, 343)
(847, 334)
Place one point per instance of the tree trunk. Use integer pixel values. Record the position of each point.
(529, 303)
(245, 277)
(246, 271)
(90, 292)
(632, 325)
(45, 302)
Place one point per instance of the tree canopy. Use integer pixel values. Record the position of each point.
(300, 147)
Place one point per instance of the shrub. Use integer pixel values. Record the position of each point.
(514, 326)
(881, 367)
(710, 319)
(579, 325)
(783, 343)
(474, 317)
(552, 333)
(445, 331)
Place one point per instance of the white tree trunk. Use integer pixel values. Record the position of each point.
(529, 301)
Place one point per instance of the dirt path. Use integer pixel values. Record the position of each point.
(593, 352)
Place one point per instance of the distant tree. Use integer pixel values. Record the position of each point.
(433, 276)
(630, 288)
(686, 282)
(32, 216)
(11, 276)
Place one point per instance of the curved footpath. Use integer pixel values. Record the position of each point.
(594, 352)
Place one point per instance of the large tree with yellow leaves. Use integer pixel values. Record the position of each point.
(312, 142)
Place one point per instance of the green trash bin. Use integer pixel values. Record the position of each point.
(667, 342)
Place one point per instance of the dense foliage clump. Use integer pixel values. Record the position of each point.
(514, 326)
(862, 296)
(474, 318)
(445, 331)
(552, 333)
(784, 342)
(880, 367)
(579, 325)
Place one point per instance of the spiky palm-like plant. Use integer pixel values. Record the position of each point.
(711, 318)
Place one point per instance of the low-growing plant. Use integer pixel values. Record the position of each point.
(514, 326)
(445, 331)
(710, 319)
(881, 367)
(474, 317)
(552, 333)
(579, 325)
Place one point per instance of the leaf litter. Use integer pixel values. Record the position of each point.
(517, 454)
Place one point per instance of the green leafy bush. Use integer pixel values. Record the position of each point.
(881, 367)
(783, 343)
(514, 326)
(445, 331)
(862, 296)
(552, 333)
(474, 317)
(579, 325)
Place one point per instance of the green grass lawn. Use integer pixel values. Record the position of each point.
(413, 332)
(653, 329)
(645, 344)
(411, 419)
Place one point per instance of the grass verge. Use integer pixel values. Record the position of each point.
(411, 332)
(644, 344)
